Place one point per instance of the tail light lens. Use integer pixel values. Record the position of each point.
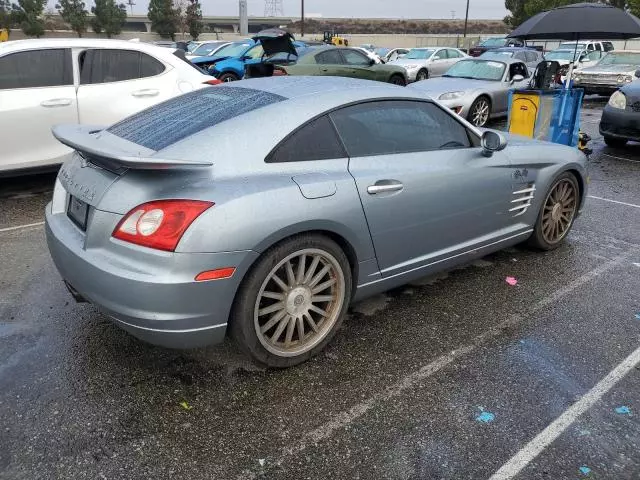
(213, 81)
(279, 72)
(159, 224)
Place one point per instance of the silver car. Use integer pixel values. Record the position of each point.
(477, 88)
(615, 70)
(529, 56)
(182, 231)
(423, 63)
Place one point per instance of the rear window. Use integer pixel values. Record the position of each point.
(169, 122)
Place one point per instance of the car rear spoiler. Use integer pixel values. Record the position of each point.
(114, 157)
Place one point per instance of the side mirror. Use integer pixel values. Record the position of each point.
(517, 79)
(245, 58)
(637, 74)
(492, 142)
(372, 62)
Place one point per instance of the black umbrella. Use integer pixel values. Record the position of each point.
(580, 20)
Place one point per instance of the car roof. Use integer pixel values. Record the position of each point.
(44, 43)
(513, 49)
(303, 99)
(503, 59)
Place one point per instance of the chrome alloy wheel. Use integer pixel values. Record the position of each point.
(559, 211)
(299, 302)
(480, 113)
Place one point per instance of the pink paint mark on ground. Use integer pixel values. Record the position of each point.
(511, 281)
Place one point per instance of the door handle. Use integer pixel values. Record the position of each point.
(324, 69)
(384, 188)
(56, 102)
(146, 92)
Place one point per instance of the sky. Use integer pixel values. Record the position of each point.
(482, 9)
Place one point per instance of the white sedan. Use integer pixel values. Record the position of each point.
(90, 81)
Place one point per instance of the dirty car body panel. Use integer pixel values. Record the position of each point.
(175, 151)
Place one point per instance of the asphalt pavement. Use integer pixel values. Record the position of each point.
(458, 376)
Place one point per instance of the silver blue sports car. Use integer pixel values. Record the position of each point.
(262, 209)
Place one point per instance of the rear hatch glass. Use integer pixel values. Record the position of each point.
(176, 119)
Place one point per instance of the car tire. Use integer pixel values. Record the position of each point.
(614, 142)
(228, 77)
(398, 80)
(422, 75)
(480, 111)
(557, 213)
(279, 318)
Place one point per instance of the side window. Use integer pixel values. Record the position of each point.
(36, 68)
(355, 58)
(330, 57)
(598, 47)
(394, 127)
(255, 52)
(105, 66)
(439, 55)
(317, 140)
(608, 46)
(451, 53)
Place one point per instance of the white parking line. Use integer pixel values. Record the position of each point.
(532, 449)
(346, 418)
(614, 201)
(621, 158)
(20, 227)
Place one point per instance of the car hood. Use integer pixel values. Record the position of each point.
(609, 69)
(214, 58)
(437, 86)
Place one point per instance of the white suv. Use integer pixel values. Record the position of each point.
(91, 81)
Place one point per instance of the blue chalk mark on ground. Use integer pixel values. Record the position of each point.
(623, 410)
(522, 342)
(485, 417)
(585, 470)
(637, 316)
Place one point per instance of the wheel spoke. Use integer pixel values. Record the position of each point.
(271, 308)
(301, 264)
(290, 328)
(291, 278)
(280, 283)
(318, 310)
(310, 321)
(319, 276)
(312, 269)
(280, 329)
(273, 320)
(300, 324)
(321, 298)
(323, 286)
(273, 295)
(548, 207)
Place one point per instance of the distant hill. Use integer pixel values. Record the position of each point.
(386, 26)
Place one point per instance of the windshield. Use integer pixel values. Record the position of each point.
(233, 50)
(206, 49)
(613, 58)
(382, 51)
(477, 70)
(192, 46)
(494, 42)
(419, 54)
(562, 55)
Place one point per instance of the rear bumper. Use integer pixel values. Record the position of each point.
(623, 124)
(155, 299)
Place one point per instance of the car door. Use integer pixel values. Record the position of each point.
(36, 92)
(439, 63)
(116, 83)
(329, 62)
(358, 65)
(427, 191)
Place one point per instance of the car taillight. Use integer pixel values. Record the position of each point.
(213, 81)
(279, 72)
(159, 224)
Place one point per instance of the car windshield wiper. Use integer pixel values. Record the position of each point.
(458, 76)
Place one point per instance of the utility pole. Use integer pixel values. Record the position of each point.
(466, 20)
(131, 4)
(302, 18)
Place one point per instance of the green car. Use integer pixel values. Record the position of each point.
(343, 62)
